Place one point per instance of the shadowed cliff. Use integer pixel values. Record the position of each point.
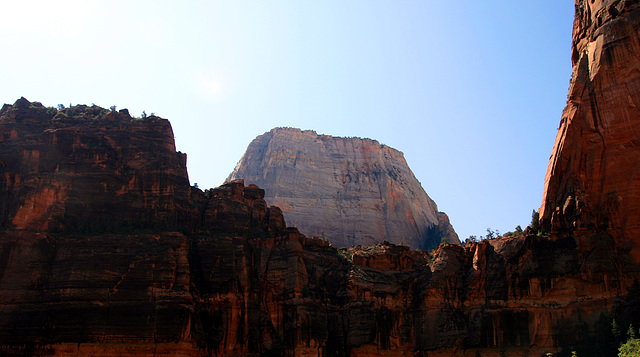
(106, 250)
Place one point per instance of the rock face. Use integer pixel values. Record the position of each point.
(181, 272)
(105, 249)
(87, 169)
(592, 183)
(349, 190)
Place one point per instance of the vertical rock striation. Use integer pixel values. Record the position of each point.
(106, 250)
(150, 266)
(351, 190)
(592, 186)
(85, 169)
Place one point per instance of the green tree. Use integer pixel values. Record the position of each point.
(535, 220)
(444, 240)
(632, 347)
(491, 234)
(615, 331)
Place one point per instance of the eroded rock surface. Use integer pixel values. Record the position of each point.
(349, 190)
(218, 273)
(105, 250)
(86, 169)
(592, 183)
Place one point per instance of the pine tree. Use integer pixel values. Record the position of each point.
(632, 347)
(615, 331)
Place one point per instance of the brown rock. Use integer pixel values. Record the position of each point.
(235, 209)
(224, 294)
(591, 183)
(87, 169)
(236, 281)
(350, 190)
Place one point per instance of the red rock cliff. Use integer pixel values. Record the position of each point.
(105, 250)
(592, 184)
(218, 273)
(88, 169)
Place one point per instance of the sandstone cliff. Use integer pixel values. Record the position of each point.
(218, 273)
(352, 191)
(105, 250)
(88, 169)
(592, 183)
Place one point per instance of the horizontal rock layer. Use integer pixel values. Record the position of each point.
(349, 190)
(117, 255)
(280, 293)
(88, 169)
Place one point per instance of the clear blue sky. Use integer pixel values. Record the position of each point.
(471, 91)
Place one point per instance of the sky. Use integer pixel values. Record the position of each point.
(471, 92)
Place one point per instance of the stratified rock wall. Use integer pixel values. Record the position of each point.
(349, 190)
(230, 294)
(85, 169)
(592, 184)
(176, 271)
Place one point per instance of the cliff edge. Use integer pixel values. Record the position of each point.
(352, 191)
(106, 250)
(592, 185)
(84, 168)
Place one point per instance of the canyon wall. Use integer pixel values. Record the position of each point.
(219, 273)
(592, 183)
(350, 190)
(106, 250)
(228, 294)
(88, 169)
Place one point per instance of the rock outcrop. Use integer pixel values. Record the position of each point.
(106, 250)
(592, 183)
(218, 273)
(350, 190)
(85, 169)
(229, 294)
